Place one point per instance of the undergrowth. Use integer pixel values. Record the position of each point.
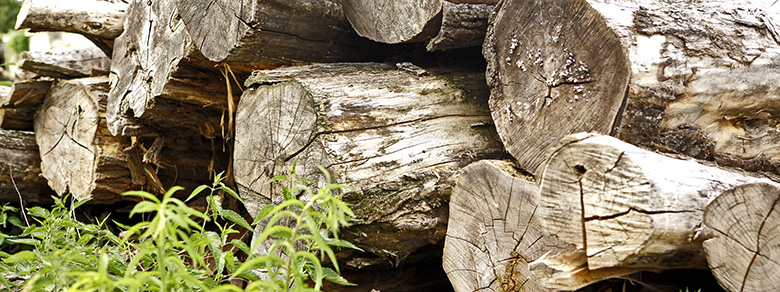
(176, 247)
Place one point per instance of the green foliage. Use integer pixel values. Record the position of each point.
(8, 11)
(178, 248)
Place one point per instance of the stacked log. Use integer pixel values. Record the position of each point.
(395, 137)
(20, 169)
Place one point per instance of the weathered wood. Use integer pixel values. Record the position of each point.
(463, 25)
(79, 155)
(273, 32)
(160, 82)
(99, 20)
(20, 170)
(743, 254)
(648, 72)
(398, 139)
(623, 206)
(65, 63)
(17, 107)
(495, 234)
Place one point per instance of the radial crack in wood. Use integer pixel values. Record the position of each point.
(743, 254)
(628, 207)
(397, 139)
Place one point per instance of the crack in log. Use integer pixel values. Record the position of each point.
(315, 136)
(616, 162)
(613, 216)
(758, 244)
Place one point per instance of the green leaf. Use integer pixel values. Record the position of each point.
(216, 203)
(232, 193)
(27, 241)
(38, 212)
(77, 204)
(196, 192)
(144, 207)
(276, 178)
(334, 277)
(142, 194)
(236, 218)
(24, 255)
(241, 245)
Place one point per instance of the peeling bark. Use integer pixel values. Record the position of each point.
(627, 207)
(397, 139)
(743, 253)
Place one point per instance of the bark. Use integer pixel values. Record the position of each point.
(80, 156)
(623, 206)
(396, 138)
(743, 253)
(649, 72)
(20, 170)
(65, 64)
(273, 32)
(99, 20)
(162, 84)
(496, 236)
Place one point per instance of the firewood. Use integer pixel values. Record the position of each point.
(20, 171)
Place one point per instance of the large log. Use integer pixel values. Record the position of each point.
(495, 232)
(20, 172)
(623, 206)
(160, 83)
(443, 24)
(99, 20)
(273, 32)
(397, 138)
(80, 156)
(743, 254)
(649, 72)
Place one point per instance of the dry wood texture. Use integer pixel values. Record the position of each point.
(273, 32)
(743, 254)
(20, 172)
(65, 63)
(699, 71)
(18, 106)
(159, 81)
(99, 20)
(463, 25)
(398, 139)
(496, 236)
(79, 155)
(628, 207)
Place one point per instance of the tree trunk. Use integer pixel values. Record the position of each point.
(398, 139)
(646, 71)
(743, 254)
(99, 20)
(495, 235)
(273, 32)
(79, 155)
(20, 172)
(65, 64)
(162, 83)
(627, 207)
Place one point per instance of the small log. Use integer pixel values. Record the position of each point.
(160, 82)
(65, 64)
(495, 234)
(623, 206)
(274, 32)
(20, 119)
(99, 20)
(648, 72)
(398, 139)
(443, 24)
(17, 107)
(20, 172)
(743, 253)
(80, 156)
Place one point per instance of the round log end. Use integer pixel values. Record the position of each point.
(393, 21)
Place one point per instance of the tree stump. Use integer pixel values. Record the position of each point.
(396, 138)
(623, 206)
(160, 83)
(743, 253)
(99, 20)
(652, 73)
(277, 32)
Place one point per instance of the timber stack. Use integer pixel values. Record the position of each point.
(589, 140)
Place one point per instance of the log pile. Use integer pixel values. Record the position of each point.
(601, 138)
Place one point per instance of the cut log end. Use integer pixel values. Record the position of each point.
(393, 21)
(744, 253)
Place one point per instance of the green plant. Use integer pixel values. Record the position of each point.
(180, 248)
